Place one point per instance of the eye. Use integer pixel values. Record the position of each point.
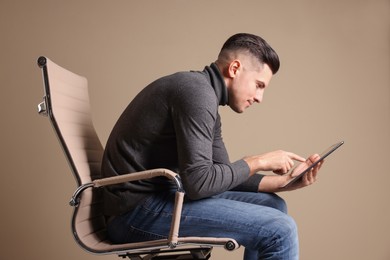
(260, 85)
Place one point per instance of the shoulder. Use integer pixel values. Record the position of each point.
(194, 87)
(186, 91)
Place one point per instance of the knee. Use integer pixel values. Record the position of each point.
(282, 239)
(285, 231)
(288, 227)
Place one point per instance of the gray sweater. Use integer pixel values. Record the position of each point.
(174, 123)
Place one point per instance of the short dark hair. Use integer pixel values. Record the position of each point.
(256, 46)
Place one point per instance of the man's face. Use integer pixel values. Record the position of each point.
(248, 85)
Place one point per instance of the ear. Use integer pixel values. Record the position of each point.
(233, 68)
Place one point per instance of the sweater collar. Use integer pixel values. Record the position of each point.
(217, 82)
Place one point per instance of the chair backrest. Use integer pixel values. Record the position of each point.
(67, 104)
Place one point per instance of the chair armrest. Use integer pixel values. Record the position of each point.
(142, 175)
(148, 174)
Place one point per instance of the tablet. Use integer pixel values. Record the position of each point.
(323, 155)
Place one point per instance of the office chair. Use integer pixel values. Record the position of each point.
(66, 103)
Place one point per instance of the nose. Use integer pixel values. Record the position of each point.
(259, 96)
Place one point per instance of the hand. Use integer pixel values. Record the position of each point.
(274, 183)
(280, 162)
(309, 177)
(302, 166)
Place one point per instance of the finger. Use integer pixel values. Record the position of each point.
(320, 164)
(310, 177)
(286, 168)
(318, 167)
(289, 164)
(315, 157)
(305, 180)
(296, 157)
(314, 175)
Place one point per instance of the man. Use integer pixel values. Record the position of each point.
(174, 123)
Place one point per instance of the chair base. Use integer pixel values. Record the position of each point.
(177, 254)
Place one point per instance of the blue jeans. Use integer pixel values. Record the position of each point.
(257, 221)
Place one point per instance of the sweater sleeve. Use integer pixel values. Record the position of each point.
(195, 116)
(220, 155)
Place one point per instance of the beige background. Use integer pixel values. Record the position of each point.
(334, 84)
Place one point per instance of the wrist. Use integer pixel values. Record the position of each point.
(273, 183)
(254, 164)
